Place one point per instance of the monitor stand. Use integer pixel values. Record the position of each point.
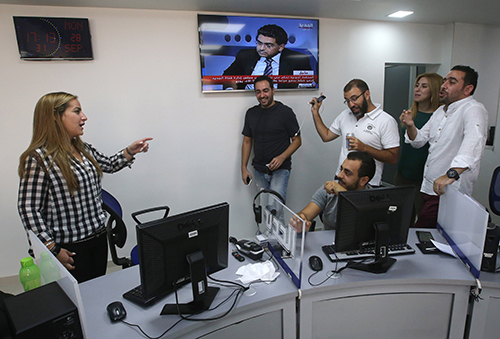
(203, 295)
(382, 261)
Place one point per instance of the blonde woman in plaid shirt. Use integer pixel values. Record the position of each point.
(60, 188)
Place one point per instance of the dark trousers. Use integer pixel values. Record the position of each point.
(91, 257)
(419, 196)
(429, 213)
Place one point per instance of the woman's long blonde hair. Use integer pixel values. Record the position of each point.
(49, 132)
(435, 81)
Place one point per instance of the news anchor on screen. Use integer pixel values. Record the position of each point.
(270, 57)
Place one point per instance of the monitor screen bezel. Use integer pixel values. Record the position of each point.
(175, 233)
(354, 227)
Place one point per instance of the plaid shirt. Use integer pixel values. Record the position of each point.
(45, 203)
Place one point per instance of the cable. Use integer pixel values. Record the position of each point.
(145, 334)
(330, 274)
(227, 282)
(304, 119)
(312, 275)
(476, 291)
(239, 291)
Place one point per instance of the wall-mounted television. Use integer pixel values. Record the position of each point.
(234, 50)
(43, 38)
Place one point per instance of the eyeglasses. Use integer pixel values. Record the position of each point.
(353, 98)
(268, 45)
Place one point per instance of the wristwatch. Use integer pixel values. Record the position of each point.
(453, 174)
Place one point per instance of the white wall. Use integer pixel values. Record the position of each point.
(144, 81)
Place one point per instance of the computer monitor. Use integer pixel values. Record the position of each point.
(379, 217)
(183, 248)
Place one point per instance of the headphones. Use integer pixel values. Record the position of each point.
(257, 210)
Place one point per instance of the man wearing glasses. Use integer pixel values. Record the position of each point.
(270, 57)
(375, 131)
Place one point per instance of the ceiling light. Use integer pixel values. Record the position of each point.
(400, 14)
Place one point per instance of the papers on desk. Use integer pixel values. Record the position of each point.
(263, 271)
(444, 248)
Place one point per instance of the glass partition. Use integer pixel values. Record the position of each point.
(284, 242)
(463, 222)
(51, 270)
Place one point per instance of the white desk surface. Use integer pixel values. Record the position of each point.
(409, 269)
(430, 289)
(98, 293)
(416, 272)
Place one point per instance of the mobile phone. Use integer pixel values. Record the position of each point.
(427, 247)
(249, 181)
(238, 256)
(424, 236)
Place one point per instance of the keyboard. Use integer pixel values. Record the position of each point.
(365, 252)
(136, 296)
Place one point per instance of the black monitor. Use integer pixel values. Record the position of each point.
(374, 217)
(183, 248)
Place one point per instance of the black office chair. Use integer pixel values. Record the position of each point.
(116, 229)
(494, 196)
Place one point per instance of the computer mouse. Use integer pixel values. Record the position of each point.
(116, 311)
(315, 263)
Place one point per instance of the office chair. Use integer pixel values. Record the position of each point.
(116, 229)
(494, 196)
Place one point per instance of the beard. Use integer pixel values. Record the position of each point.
(362, 109)
(352, 187)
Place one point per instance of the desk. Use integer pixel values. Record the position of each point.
(271, 313)
(486, 312)
(421, 296)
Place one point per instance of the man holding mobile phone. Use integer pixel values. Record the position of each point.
(272, 130)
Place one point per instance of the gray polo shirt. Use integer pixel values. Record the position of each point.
(328, 204)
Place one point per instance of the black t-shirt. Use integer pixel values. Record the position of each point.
(271, 130)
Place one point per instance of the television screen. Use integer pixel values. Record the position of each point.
(53, 38)
(234, 50)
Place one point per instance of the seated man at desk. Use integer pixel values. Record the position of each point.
(355, 173)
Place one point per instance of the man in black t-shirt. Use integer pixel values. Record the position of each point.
(273, 131)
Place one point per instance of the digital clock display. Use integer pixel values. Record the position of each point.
(53, 38)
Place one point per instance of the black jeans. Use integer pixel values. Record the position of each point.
(91, 257)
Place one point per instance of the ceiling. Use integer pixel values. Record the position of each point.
(426, 11)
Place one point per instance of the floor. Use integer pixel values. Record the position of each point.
(12, 285)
